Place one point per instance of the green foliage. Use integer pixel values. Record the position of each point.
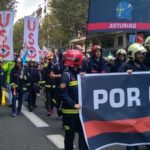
(8, 4)
(72, 15)
(18, 35)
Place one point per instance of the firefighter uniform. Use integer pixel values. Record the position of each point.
(33, 84)
(18, 79)
(69, 93)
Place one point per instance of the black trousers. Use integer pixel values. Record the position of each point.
(72, 125)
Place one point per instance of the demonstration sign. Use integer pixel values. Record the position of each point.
(119, 15)
(31, 29)
(6, 35)
(115, 109)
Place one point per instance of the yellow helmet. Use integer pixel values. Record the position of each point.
(147, 41)
(135, 48)
(110, 58)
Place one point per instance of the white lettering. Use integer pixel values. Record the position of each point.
(113, 100)
(98, 100)
(133, 96)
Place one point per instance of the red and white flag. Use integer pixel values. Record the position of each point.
(31, 29)
(6, 35)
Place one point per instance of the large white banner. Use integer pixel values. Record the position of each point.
(31, 29)
(6, 35)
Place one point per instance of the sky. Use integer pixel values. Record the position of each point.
(26, 7)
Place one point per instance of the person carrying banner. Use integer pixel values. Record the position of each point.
(18, 86)
(97, 63)
(70, 106)
(33, 83)
(136, 57)
(147, 56)
(2, 79)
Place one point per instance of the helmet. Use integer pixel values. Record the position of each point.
(110, 58)
(121, 51)
(49, 55)
(18, 60)
(1, 59)
(135, 48)
(96, 47)
(147, 41)
(73, 58)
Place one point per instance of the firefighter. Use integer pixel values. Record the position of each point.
(50, 84)
(70, 106)
(2, 78)
(147, 56)
(18, 79)
(33, 84)
(85, 61)
(136, 57)
(121, 57)
(97, 63)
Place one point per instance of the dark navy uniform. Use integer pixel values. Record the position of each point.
(18, 85)
(33, 86)
(50, 87)
(71, 119)
(99, 66)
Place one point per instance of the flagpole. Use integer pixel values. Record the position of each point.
(86, 35)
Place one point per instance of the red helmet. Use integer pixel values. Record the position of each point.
(73, 58)
(96, 47)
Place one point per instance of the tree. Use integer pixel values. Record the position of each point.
(18, 35)
(71, 14)
(8, 4)
(51, 33)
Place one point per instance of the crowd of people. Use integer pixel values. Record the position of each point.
(58, 81)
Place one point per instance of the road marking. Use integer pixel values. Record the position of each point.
(34, 118)
(58, 140)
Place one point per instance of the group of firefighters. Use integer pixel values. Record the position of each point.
(59, 81)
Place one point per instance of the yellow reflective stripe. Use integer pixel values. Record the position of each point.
(66, 127)
(53, 86)
(54, 101)
(25, 77)
(48, 86)
(24, 89)
(12, 84)
(70, 111)
(73, 83)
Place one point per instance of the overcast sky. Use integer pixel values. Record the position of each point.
(27, 7)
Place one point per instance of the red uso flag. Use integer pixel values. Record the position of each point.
(6, 35)
(115, 109)
(31, 29)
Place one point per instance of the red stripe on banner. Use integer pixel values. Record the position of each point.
(139, 125)
(118, 26)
